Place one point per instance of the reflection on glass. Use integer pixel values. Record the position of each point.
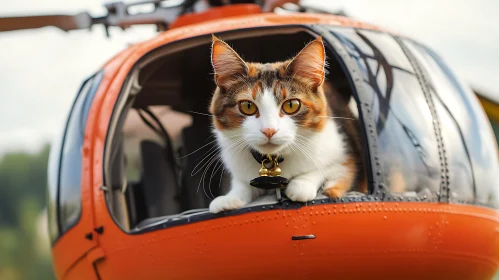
(472, 148)
(407, 144)
(71, 157)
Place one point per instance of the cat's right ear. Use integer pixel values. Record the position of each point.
(309, 64)
(227, 64)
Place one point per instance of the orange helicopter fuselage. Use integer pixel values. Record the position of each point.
(367, 240)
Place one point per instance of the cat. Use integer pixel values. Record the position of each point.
(281, 109)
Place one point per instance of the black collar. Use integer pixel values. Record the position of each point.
(259, 157)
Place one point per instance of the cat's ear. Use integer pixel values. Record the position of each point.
(309, 64)
(227, 64)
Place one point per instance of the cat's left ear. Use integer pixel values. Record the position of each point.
(309, 64)
(228, 65)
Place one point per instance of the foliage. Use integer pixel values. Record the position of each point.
(23, 179)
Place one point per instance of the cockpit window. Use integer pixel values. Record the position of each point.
(472, 152)
(406, 143)
(70, 158)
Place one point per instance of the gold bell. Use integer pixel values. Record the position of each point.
(276, 170)
(264, 171)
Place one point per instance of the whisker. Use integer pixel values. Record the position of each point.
(241, 148)
(203, 114)
(207, 145)
(197, 149)
(307, 141)
(207, 158)
(301, 144)
(213, 171)
(239, 145)
(221, 177)
(292, 146)
(325, 166)
(212, 159)
(215, 159)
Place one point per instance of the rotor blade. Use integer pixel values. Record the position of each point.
(64, 22)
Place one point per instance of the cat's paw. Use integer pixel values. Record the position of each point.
(301, 190)
(226, 202)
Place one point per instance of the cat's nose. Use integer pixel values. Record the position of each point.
(269, 132)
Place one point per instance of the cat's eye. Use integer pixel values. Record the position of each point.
(247, 107)
(291, 106)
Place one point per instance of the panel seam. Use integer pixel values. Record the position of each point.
(443, 194)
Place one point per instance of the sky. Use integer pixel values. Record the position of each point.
(41, 70)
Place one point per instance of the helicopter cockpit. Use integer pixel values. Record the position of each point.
(164, 156)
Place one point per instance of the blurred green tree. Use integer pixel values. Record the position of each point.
(23, 179)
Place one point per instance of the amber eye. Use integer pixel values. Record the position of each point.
(291, 106)
(247, 107)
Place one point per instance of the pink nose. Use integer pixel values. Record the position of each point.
(269, 132)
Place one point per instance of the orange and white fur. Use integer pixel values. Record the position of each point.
(254, 107)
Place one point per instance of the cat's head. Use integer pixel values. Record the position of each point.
(270, 105)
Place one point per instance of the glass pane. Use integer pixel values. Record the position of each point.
(407, 145)
(461, 179)
(71, 159)
(473, 132)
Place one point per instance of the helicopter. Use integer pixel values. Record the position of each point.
(123, 198)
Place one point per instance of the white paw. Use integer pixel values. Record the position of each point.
(226, 202)
(301, 190)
